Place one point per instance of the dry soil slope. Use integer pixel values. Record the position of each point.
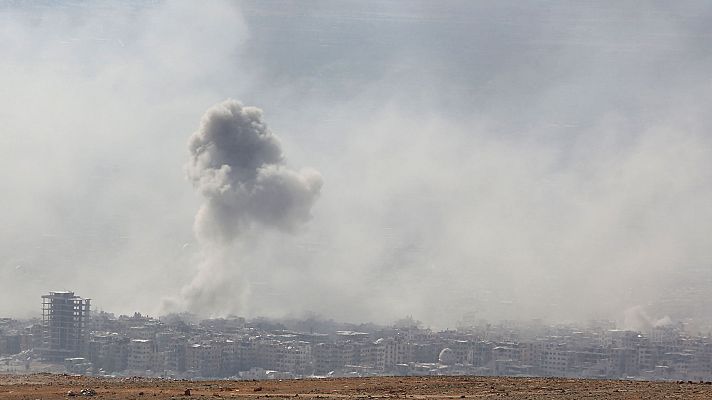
(46, 386)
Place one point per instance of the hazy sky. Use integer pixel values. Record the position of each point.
(505, 159)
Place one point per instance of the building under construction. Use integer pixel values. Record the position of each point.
(64, 325)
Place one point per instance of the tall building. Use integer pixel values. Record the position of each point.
(64, 320)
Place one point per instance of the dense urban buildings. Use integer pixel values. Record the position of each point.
(180, 346)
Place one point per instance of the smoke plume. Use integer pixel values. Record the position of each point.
(496, 160)
(237, 164)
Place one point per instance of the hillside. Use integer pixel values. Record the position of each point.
(47, 386)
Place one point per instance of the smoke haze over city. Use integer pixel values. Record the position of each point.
(491, 159)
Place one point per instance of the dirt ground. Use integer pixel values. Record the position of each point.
(47, 386)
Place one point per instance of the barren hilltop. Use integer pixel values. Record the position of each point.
(48, 386)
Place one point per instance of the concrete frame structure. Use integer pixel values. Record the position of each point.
(64, 320)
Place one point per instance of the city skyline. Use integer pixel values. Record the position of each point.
(71, 339)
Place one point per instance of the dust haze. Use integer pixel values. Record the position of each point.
(496, 160)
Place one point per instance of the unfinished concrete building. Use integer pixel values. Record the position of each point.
(64, 322)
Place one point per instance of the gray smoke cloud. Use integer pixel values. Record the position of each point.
(237, 164)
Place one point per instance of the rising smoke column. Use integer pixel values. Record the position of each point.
(237, 164)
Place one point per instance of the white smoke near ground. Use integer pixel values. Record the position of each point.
(637, 319)
(237, 165)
